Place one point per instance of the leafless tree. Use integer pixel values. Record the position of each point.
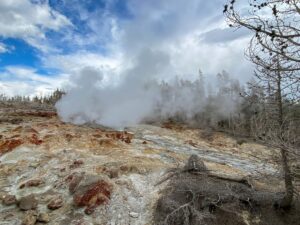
(276, 25)
(275, 50)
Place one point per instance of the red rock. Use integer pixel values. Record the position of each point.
(9, 145)
(95, 194)
(34, 140)
(56, 203)
(119, 136)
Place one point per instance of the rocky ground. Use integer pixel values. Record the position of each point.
(58, 173)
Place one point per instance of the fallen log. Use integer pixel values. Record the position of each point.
(196, 166)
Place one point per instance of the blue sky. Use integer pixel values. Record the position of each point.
(45, 44)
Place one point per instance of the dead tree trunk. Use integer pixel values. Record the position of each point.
(288, 180)
(286, 202)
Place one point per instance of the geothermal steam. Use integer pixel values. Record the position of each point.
(138, 95)
(118, 105)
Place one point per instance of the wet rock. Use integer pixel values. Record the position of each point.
(28, 202)
(56, 203)
(31, 183)
(91, 192)
(43, 218)
(29, 218)
(9, 200)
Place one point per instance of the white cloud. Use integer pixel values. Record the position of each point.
(191, 54)
(3, 48)
(222, 35)
(28, 82)
(189, 33)
(29, 21)
(71, 63)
